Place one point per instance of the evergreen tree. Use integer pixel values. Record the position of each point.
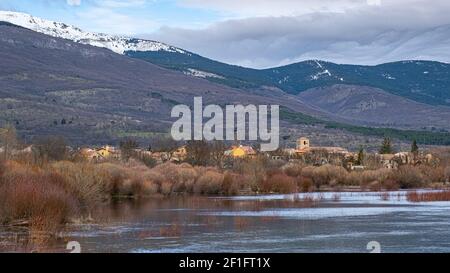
(414, 147)
(360, 159)
(386, 147)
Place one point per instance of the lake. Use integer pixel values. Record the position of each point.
(312, 222)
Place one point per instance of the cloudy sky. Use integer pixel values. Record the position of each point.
(267, 33)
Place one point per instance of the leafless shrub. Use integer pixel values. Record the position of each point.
(209, 183)
(293, 170)
(234, 183)
(329, 175)
(279, 183)
(88, 182)
(409, 177)
(39, 198)
(306, 184)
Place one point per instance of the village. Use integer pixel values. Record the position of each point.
(304, 152)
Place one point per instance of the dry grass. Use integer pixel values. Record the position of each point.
(437, 196)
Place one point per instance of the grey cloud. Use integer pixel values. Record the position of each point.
(276, 8)
(370, 35)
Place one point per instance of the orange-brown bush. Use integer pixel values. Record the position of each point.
(254, 170)
(293, 170)
(279, 183)
(326, 175)
(234, 183)
(273, 171)
(41, 199)
(374, 186)
(209, 182)
(187, 176)
(432, 174)
(306, 184)
(409, 177)
(89, 183)
(428, 196)
(390, 185)
(447, 174)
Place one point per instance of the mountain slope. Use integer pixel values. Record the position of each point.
(53, 86)
(92, 95)
(376, 106)
(422, 81)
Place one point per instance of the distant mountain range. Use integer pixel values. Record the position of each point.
(422, 81)
(103, 87)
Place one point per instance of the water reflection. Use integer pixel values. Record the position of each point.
(317, 222)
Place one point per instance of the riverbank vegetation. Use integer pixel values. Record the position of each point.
(48, 187)
(437, 196)
(46, 195)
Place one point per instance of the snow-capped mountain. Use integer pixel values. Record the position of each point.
(118, 44)
(421, 81)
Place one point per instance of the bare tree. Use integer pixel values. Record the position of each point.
(128, 148)
(51, 148)
(164, 145)
(198, 152)
(217, 153)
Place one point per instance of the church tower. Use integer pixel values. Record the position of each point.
(302, 143)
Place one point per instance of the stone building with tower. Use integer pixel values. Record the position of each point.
(318, 155)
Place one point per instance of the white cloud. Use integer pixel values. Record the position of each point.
(374, 2)
(120, 4)
(73, 2)
(106, 20)
(113, 17)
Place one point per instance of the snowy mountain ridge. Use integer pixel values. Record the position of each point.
(118, 44)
